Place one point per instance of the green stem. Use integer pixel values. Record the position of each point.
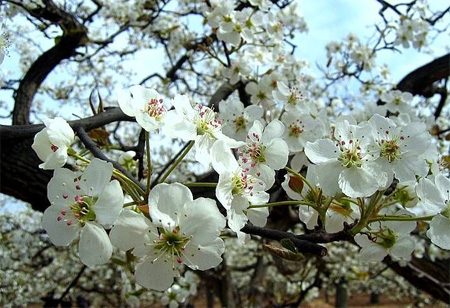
(117, 174)
(177, 162)
(149, 165)
(400, 218)
(200, 184)
(365, 214)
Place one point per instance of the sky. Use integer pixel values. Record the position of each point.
(334, 20)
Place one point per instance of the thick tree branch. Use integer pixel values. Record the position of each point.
(74, 36)
(420, 81)
(302, 245)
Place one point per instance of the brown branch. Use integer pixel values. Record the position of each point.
(74, 36)
(420, 81)
(303, 246)
(91, 146)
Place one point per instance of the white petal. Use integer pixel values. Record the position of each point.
(274, 129)
(131, 230)
(41, 145)
(147, 122)
(357, 182)
(258, 216)
(109, 204)
(443, 184)
(202, 219)
(60, 185)
(222, 158)
(95, 247)
(183, 106)
(308, 215)
(127, 103)
(59, 232)
(236, 217)
(204, 257)
(373, 253)
(166, 202)
(403, 248)
(328, 176)
(224, 189)
(430, 196)
(276, 154)
(267, 174)
(59, 132)
(407, 168)
(322, 150)
(96, 176)
(231, 108)
(439, 232)
(176, 126)
(156, 275)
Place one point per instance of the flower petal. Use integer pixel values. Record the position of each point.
(96, 176)
(321, 151)
(357, 182)
(156, 275)
(166, 202)
(439, 232)
(109, 204)
(203, 257)
(202, 219)
(95, 247)
(59, 232)
(131, 230)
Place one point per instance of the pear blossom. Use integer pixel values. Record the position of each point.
(342, 164)
(265, 151)
(261, 92)
(199, 123)
(84, 205)
(291, 98)
(397, 150)
(236, 118)
(238, 69)
(51, 143)
(434, 198)
(147, 105)
(300, 128)
(397, 101)
(237, 189)
(181, 231)
(387, 238)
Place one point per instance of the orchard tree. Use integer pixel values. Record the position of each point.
(218, 156)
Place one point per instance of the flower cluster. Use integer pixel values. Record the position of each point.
(350, 173)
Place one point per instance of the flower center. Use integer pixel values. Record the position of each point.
(172, 244)
(54, 148)
(295, 130)
(350, 156)
(388, 238)
(79, 212)
(244, 184)
(207, 121)
(240, 123)
(390, 149)
(295, 96)
(155, 108)
(254, 151)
